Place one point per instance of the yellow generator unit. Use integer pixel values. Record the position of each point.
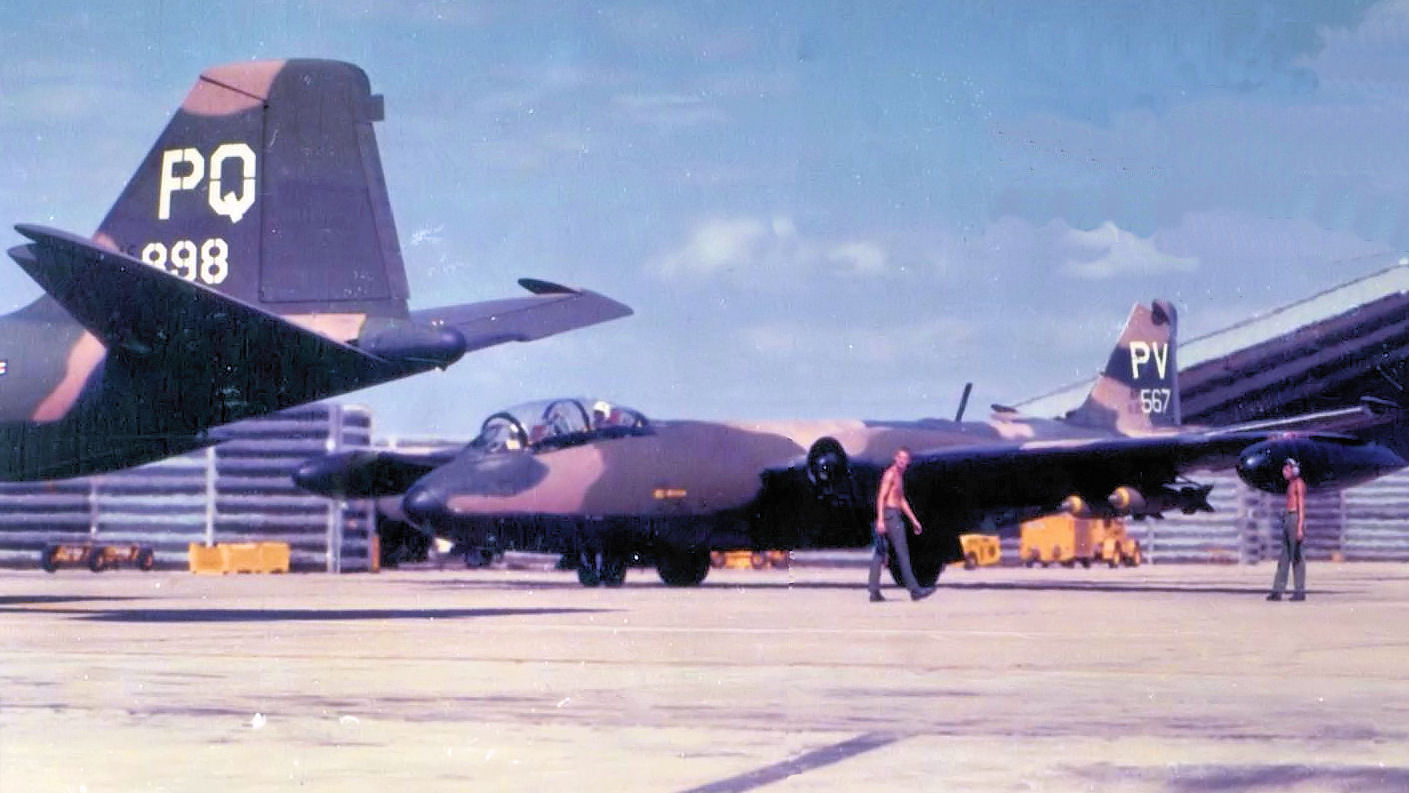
(980, 550)
(757, 560)
(1067, 540)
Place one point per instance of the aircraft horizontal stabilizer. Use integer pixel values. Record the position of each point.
(552, 309)
(234, 360)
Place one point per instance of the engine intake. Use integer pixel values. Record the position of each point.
(828, 470)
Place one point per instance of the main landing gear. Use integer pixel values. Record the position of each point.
(601, 568)
(682, 568)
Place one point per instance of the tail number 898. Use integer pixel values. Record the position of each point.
(207, 264)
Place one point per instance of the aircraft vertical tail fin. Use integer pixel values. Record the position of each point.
(267, 186)
(1138, 391)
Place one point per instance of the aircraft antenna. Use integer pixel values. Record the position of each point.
(963, 402)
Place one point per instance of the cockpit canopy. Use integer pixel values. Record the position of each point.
(557, 423)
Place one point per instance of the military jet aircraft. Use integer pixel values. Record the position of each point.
(251, 264)
(605, 483)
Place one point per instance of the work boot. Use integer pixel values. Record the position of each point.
(1275, 596)
(921, 593)
(876, 597)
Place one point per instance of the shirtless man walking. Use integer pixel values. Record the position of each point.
(891, 510)
(1293, 535)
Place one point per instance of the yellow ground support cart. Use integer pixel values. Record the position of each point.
(1066, 540)
(980, 550)
(96, 557)
(757, 560)
(240, 557)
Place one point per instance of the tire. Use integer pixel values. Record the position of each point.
(1114, 561)
(613, 572)
(682, 568)
(1031, 560)
(588, 573)
(477, 558)
(970, 561)
(758, 560)
(46, 558)
(97, 560)
(146, 560)
(1085, 564)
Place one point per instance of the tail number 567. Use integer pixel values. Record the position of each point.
(1154, 400)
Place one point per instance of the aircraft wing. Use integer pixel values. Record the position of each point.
(1041, 475)
(551, 309)
(234, 360)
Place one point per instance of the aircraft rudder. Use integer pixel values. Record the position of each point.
(1138, 390)
(266, 185)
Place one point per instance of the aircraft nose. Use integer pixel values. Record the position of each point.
(424, 506)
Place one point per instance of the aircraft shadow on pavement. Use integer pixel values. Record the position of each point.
(1045, 586)
(158, 616)
(570, 582)
(860, 585)
(1088, 586)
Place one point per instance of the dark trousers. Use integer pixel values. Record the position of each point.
(1292, 557)
(896, 539)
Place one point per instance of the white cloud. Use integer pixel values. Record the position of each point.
(717, 246)
(1110, 252)
(751, 249)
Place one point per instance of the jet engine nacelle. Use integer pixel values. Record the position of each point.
(1325, 462)
(829, 470)
(417, 345)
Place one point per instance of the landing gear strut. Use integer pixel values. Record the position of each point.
(604, 568)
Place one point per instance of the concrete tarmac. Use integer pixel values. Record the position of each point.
(1177, 679)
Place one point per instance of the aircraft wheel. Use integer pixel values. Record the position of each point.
(475, 558)
(613, 572)
(146, 560)
(682, 568)
(587, 572)
(588, 576)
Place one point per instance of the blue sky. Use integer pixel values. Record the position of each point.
(816, 209)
